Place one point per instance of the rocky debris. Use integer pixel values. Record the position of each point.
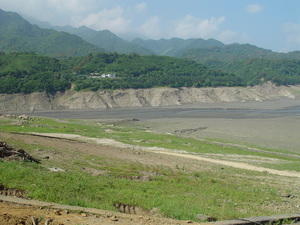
(144, 176)
(11, 192)
(189, 131)
(24, 117)
(58, 212)
(125, 208)
(136, 210)
(56, 170)
(205, 218)
(9, 153)
(288, 196)
(114, 218)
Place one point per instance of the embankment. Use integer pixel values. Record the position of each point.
(72, 100)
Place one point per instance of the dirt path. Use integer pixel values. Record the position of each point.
(21, 211)
(176, 153)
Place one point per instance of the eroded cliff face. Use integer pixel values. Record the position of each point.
(72, 100)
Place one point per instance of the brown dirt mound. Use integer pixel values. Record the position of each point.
(9, 153)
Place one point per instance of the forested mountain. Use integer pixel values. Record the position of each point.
(175, 46)
(27, 72)
(250, 62)
(259, 70)
(18, 35)
(104, 39)
(235, 52)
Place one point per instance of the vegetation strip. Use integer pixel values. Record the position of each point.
(246, 148)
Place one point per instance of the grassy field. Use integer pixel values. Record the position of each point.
(178, 193)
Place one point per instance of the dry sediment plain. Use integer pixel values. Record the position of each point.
(269, 124)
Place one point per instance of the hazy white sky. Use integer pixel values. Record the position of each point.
(273, 24)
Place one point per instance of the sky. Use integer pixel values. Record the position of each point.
(271, 24)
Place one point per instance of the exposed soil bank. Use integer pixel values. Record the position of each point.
(72, 100)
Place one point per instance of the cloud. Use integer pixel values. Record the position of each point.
(151, 28)
(254, 8)
(112, 19)
(59, 12)
(141, 7)
(193, 27)
(292, 34)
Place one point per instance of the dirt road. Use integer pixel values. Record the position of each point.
(176, 153)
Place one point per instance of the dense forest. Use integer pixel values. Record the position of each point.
(28, 72)
(250, 63)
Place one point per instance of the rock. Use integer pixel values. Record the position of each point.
(155, 212)
(114, 218)
(57, 212)
(202, 217)
(288, 196)
(56, 170)
(83, 214)
(23, 117)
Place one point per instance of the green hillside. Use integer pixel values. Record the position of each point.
(18, 35)
(106, 40)
(251, 63)
(174, 46)
(25, 73)
(235, 52)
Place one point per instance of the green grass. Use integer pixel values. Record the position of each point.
(177, 194)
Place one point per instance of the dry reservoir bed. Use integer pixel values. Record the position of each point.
(116, 161)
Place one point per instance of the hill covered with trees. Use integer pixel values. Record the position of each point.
(250, 63)
(27, 72)
(106, 40)
(175, 46)
(18, 35)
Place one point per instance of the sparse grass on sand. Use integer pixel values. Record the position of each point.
(180, 194)
(177, 194)
(140, 137)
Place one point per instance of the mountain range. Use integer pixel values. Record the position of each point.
(18, 35)
(247, 61)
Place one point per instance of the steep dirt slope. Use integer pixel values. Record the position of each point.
(72, 100)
